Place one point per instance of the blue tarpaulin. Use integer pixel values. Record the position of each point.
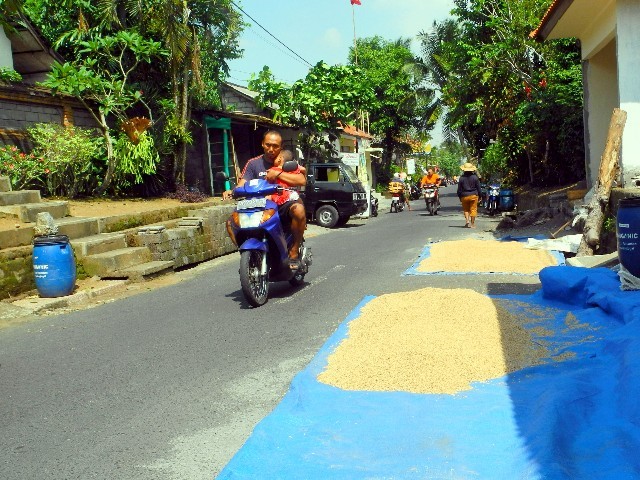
(575, 416)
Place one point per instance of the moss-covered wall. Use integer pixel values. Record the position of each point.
(16, 271)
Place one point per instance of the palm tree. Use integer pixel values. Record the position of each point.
(434, 66)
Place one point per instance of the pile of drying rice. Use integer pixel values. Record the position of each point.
(430, 341)
(472, 255)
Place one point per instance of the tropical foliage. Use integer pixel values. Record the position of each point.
(138, 58)
(500, 88)
(322, 102)
(64, 161)
(403, 102)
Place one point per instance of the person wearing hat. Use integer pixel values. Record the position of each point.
(469, 192)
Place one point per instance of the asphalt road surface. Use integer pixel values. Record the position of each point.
(168, 384)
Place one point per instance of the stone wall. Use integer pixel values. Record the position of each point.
(197, 238)
(16, 271)
(20, 115)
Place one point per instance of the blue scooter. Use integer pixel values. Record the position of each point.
(256, 229)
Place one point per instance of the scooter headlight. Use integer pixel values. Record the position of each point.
(254, 219)
(249, 219)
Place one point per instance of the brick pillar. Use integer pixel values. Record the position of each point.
(67, 116)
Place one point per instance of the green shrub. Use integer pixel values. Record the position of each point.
(25, 170)
(71, 158)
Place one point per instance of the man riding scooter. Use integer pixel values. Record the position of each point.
(292, 212)
(432, 178)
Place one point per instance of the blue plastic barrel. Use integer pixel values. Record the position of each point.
(628, 234)
(54, 265)
(507, 200)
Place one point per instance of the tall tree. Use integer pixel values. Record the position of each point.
(321, 103)
(193, 32)
(404, 103)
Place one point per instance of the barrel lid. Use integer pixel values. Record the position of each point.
(629, 202)
(51, 240)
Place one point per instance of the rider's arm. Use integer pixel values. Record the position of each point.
(293, 179)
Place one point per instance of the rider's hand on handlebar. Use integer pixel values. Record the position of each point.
(227, 195)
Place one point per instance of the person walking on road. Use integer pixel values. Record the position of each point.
(469, 191)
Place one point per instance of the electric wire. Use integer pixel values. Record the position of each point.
(257, 23)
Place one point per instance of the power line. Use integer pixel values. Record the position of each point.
(277, 47)
(256, 22)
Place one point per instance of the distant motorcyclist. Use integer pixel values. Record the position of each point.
(397, 185)
(430, 178)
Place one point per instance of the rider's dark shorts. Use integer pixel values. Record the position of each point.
(284, 211)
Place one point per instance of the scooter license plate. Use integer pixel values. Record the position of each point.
(252, 203)
(397, 199)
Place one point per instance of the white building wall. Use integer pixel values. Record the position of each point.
(600, 98)
(628, 18)
(6, 59)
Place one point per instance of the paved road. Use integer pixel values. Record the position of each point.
(168, 384)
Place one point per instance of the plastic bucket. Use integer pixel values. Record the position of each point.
(54, 265)
(628, 234)
(507, 200)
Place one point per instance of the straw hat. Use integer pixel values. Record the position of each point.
(468, 167)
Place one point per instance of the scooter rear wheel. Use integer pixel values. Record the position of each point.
(255, 284)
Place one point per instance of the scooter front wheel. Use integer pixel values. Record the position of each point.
(254, 282)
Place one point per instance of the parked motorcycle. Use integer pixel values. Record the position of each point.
(256, 229)
(374, 204)
(415, 191)
(492, 199)
(431, 198)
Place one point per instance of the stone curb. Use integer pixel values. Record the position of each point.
(33, 305)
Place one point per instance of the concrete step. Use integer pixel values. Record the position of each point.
(19, 196)
(103, 242)
(78, 227)
(5, 184)
(107, 264)
(28, 212)
(145, 270)
(72, 227)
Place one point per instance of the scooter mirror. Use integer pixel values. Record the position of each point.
(221, 176)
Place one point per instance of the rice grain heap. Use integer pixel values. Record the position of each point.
(394, 346)
(472, 255)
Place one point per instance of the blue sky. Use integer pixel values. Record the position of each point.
(323, 30)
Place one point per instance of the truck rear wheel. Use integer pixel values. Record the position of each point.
(327, 216)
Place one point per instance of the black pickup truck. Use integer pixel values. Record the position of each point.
(333, 194)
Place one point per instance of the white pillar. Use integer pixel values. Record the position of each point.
(6, 58)
(628, 40)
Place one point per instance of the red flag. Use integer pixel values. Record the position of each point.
(355, 2)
